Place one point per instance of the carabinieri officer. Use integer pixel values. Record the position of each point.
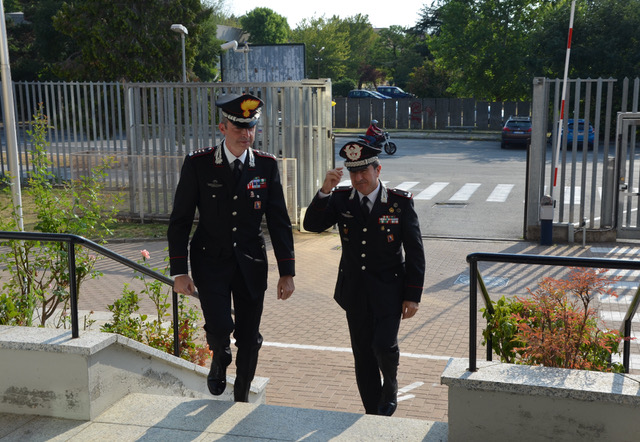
(377, 283)
(233, 187)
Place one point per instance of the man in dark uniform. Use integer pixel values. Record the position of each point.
(233, 186)
(377, 284)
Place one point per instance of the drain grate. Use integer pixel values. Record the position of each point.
(489, 281)
(449, 205)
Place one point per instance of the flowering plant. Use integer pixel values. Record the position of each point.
(157, 333)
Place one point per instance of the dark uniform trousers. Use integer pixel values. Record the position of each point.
(374, 278)
(227, 252)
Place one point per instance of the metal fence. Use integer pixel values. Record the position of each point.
(149, 128)
(426, 113)
(586, 170)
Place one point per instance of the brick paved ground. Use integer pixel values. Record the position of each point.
(306, 352)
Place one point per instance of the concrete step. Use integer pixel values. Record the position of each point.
(141, 416)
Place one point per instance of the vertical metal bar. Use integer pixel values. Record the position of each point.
(632, 182)
(176, 325)
(73, 294)
(120, 97)
(594, 167)
(473, 308)
(626, 355)
(574, 152)
(609, 173)
(91, 133)
(585, 150)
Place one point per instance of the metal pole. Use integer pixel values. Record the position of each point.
(246, 64)
(184, 61)
(176, 326)
(73, 294)
(626, 354)
(473, 307)
(10, 121)
(554, 189)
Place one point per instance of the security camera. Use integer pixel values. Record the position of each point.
(229, 45)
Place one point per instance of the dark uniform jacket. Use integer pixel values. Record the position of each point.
(229, 228)
(373, 269)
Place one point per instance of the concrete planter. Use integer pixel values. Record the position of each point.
(506, 402)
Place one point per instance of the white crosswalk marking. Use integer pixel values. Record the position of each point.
(465, 192)
(500, 193)
(431, 191)
(407, 185)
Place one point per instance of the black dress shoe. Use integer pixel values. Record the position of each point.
(387, 408)
(217, 379)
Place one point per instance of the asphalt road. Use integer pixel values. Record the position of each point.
(462, 188)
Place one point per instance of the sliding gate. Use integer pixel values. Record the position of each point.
(628, 181)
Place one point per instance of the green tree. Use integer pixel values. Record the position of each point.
(327, 47)
(34, 45)
(605, 39)
(129, 41)
(397, 52)
(484, 44)
(205, 67)
(429, 80)
(11, 6)
(361, 38)
(265, 26)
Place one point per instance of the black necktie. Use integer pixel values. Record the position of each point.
(365, 206)
(237, 169)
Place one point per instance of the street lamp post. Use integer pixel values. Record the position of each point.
(182, 31)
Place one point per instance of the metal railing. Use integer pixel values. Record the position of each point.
(475, 279)
(71, 241)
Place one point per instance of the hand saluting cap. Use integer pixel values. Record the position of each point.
(358, 155)
(241, 110)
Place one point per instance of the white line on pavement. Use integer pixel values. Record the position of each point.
(465, 192)
(500, 193)
(348, 350)
(431, 191)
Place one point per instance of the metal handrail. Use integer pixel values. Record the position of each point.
(564, 261)
(71, 241)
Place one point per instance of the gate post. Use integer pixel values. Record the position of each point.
(536, 161)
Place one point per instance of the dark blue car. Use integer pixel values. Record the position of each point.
(394, 92)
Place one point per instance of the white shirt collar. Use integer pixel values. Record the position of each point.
(372, 196)
(231, 157)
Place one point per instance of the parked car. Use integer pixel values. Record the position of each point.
(394, 92)
(517, 130)
(571, 132)
(363, 93)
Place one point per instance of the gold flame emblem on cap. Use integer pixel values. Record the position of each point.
(353, 151)
(249, 105)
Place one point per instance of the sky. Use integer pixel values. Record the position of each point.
(405, 13)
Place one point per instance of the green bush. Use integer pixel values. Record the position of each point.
(38, 282)
(342, 87)
(555, 326)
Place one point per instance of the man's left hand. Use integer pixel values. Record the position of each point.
(285, 287)
(409, 308)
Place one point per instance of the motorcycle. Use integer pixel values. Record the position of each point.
(383, 142)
